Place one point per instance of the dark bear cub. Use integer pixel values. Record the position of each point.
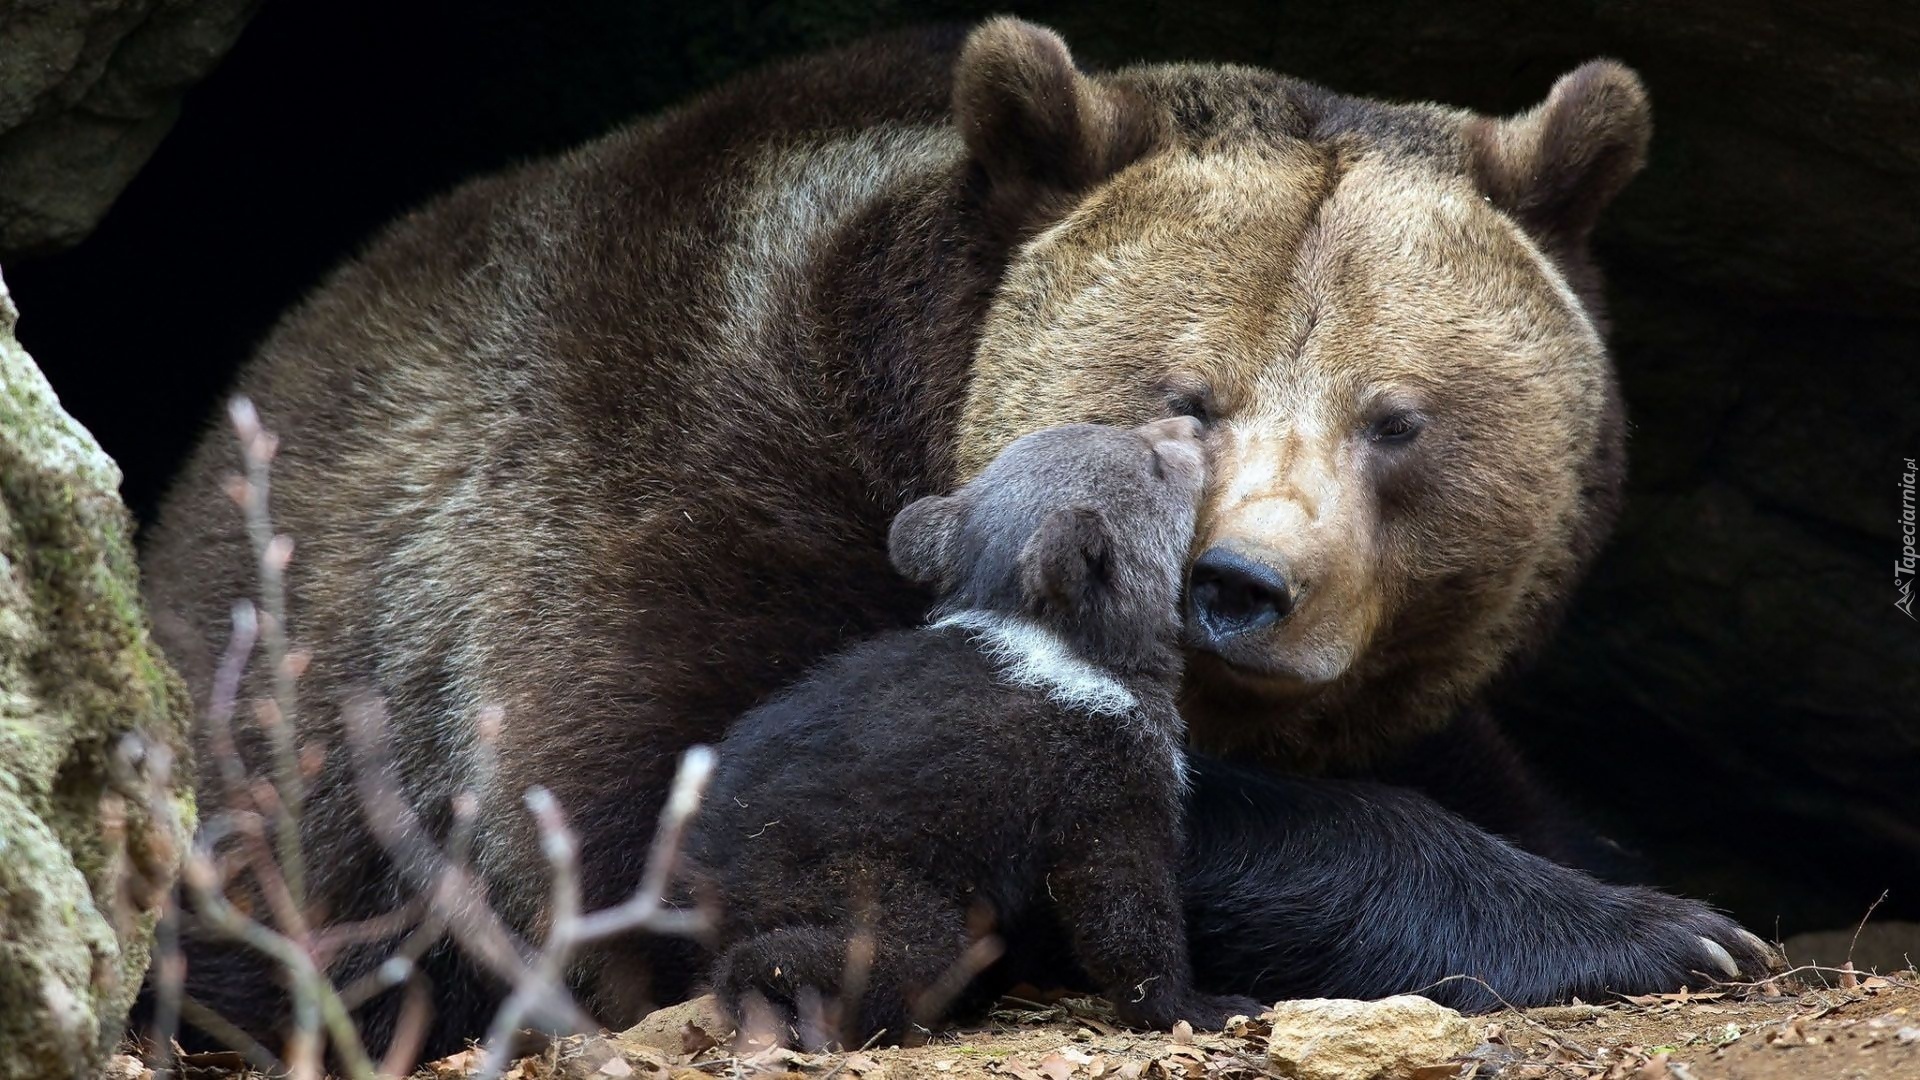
(1014, 768)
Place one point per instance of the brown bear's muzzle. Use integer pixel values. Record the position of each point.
(1231, 594)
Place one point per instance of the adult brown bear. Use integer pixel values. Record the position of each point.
(612, 442)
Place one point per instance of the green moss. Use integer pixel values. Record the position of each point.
(78, 674)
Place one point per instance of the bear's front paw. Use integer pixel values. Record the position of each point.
(1734, 953)
(1680, 942)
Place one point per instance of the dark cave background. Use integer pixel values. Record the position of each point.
(1735, 695)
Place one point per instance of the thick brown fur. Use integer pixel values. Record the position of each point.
(611, 441)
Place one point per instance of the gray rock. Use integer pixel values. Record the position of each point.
(87, 91)
(83, 863)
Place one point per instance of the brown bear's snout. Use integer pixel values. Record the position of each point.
(1231, 595)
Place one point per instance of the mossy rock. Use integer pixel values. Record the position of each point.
(83, 860)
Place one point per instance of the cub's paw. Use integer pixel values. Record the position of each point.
(782, 986)
(1210, 1012)
(1205, 1012)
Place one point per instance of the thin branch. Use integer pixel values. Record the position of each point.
(273, 552)
(257, 834)
(1863, 923)
(449, 887)
(646, 910)
(410, 1031)
(169, 985)
(229, 1033)
(545, 978)
(309, 982)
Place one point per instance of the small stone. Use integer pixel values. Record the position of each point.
(1337, 1039)
(665, 1029)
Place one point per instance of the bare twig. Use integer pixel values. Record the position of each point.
(545, 978)
(243, 633)
(449, 886)
(228, 1032)
(978, 957)
(310, 985)
(169, 980)
(1818, 969)
(647, 909)
(410, 1032)
(255, 834)
(1863, 924)
(273, 552)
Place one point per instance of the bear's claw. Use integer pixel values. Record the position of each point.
(1721, 957)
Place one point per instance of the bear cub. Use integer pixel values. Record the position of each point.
(1010, 776)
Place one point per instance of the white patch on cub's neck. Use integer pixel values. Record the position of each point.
(1035, 657)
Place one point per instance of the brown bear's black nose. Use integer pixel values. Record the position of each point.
(1229, 595)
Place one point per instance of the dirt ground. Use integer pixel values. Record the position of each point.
(1809, 1028)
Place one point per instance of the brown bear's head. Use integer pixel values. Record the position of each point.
(1080, 530)
(1383, 315)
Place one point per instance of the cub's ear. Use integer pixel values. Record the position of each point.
(1065, 559)
(1037, 128)
(1556, 166)
(921, 535)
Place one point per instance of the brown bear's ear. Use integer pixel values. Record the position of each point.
(1556, 166)
(921, 534)
(1035, 126)
(1066, 558)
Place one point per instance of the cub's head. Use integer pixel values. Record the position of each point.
(1385, 323)
(1083, 529)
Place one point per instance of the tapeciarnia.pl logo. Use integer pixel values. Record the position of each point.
(1903, 567)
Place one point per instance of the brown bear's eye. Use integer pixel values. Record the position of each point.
(1396, 427)
(1197, 403)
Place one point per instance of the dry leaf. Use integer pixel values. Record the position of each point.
(1056, 1067)
(126, 1067)
(453, 1065)
(616, 1066)
(1793, 1033)
(1682, 997)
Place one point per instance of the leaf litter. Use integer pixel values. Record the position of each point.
(1776, 1030)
